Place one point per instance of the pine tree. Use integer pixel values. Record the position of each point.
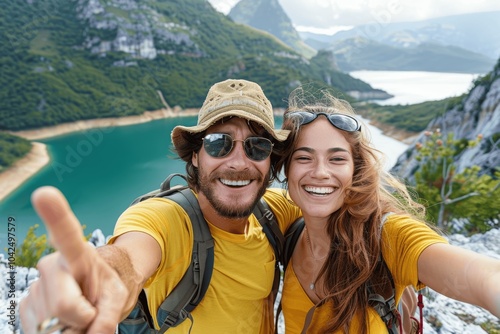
(448, 194)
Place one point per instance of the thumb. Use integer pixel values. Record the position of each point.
(65, 231)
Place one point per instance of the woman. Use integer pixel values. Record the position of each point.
(354, 212)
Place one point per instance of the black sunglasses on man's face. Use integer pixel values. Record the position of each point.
(218, 145)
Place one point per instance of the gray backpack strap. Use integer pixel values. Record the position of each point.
(190, 290)
(384, 302)
(186, 295)
(385, 307)
(270, 226)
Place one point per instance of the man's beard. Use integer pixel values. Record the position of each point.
(225, 209)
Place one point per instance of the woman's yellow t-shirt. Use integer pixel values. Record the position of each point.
(403, 240)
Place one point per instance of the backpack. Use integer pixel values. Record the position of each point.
(383, 303)
(191, 289)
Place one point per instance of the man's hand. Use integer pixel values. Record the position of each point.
(76, 285)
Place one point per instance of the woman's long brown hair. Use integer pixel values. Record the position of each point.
(354, 229)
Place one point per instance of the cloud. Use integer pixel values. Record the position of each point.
(223, 6)
(326, 14)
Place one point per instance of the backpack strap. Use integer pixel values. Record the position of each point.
(191, 289)
(420, 329)
(186, 295)
(291, 236)
(385, 307)
(267, 220)
(270, 227)
(384, 302)
(165, 189)
(309, 316)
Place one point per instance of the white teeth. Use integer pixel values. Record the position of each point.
(232, 183)
(319, 190)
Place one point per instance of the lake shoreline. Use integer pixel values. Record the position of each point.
(38, 157)
(23, 169)
(82, 125)
(403, 136)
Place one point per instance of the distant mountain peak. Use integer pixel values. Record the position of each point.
(269, 16)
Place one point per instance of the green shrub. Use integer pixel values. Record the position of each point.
(32, 249)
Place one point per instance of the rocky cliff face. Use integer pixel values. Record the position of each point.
(133, 28)
(478, 114)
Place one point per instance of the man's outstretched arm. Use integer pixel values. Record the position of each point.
(85, 288)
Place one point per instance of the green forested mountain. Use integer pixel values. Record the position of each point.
(70, 60)
(12, 148)
(359, 53)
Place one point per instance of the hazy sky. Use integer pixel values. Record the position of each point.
(331, 15)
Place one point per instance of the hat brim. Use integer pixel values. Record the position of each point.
(179, 141)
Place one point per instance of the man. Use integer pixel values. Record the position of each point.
(230, 158)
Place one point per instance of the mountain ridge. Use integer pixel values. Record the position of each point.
(464, 39)
(86, 59)
(468, 31)
(268, 15)
(358, 53)
(450, 41)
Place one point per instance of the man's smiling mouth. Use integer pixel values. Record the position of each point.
(235, 183)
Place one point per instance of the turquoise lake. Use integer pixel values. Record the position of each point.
(100, 171)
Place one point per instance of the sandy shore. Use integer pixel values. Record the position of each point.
(38, 157)
(23, 169)
(61, 129)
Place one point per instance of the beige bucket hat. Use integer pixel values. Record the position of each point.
(241, 98)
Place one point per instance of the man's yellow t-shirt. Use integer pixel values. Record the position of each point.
(236, 299)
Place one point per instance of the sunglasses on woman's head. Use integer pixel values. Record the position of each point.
(340, 121)
(218, 145)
